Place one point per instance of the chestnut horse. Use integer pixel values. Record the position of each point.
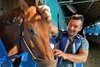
(28, 25)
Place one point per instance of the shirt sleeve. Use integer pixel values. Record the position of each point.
(85, 44)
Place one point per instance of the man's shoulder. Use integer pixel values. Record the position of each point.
(61, 34)
(83, 40)
(81, 37)
(84, 43)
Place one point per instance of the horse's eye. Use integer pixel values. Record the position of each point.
(30, 31)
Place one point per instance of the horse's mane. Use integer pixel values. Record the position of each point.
(7, 17)
(9, 23)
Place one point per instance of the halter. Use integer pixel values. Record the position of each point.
(22, 39)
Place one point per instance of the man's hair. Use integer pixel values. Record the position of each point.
(78, 17)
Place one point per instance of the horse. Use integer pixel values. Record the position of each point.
(28, 25)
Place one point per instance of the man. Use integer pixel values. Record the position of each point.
(72, 49)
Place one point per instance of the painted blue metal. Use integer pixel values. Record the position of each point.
(93, 29)
(27, 61)
(3, 54)
(5, 60)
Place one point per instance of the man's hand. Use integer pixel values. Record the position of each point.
(59, 53)
(44, 10)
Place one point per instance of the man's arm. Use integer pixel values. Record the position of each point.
(54, 31)
(77, 58)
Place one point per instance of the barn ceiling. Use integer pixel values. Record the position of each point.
(90, 9)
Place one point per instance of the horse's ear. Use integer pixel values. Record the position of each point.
(23, 5)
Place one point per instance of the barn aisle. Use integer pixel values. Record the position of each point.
(94, 56)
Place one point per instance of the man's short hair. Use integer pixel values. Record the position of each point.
(78, 17)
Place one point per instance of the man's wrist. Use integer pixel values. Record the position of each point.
(66, 56)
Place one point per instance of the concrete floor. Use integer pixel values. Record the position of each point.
(94, 56)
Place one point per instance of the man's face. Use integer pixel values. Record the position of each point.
(74, 27)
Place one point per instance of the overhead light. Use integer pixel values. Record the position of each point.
(71, 8)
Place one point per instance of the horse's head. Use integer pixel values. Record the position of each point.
(36, 32)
